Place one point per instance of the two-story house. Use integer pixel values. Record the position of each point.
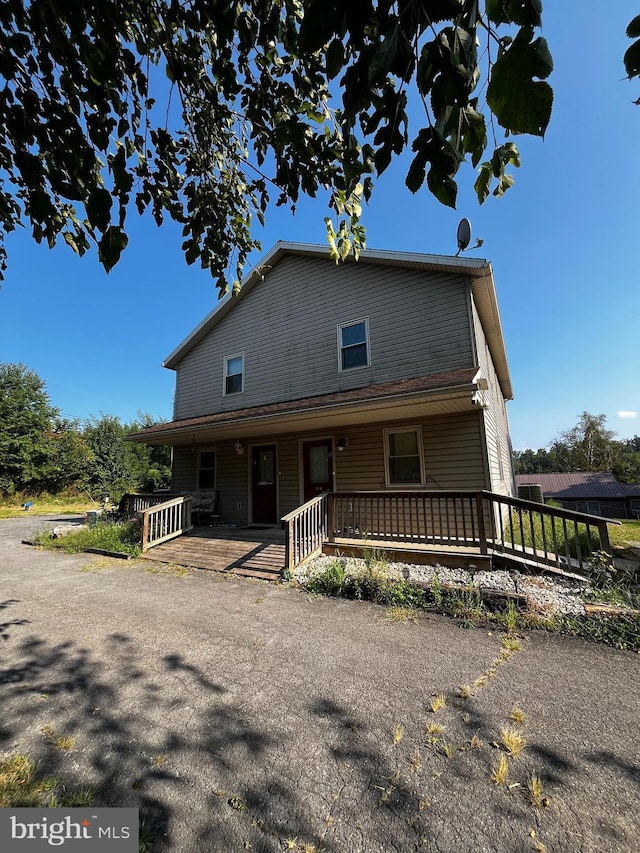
(386, 374)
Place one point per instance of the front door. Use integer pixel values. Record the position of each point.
(317, 467)
(264, 485)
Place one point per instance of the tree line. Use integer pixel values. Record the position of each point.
(588, 446)
(41, 451)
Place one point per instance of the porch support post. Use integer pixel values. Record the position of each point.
(603, 533)
(289, 551)
(482, 533)
(331, 515)
(145, 530)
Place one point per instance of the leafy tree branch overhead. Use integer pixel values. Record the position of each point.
(207, 111)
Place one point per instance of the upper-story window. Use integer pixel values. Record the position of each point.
(234, 374)
(353, 344)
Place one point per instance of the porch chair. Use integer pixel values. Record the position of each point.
(204, 505)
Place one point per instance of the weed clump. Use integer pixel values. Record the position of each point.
(106, 536)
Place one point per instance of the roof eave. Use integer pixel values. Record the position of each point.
(371, 403)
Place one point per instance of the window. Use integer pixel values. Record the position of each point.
(591, 507)
(207, 469)
(234, 374)
(353, 344)
(403, 457)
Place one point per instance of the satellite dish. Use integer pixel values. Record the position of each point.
(463, 235)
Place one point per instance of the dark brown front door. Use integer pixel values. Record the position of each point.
(317, 466)
(264, 482)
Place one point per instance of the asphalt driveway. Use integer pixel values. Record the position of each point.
(239, 715)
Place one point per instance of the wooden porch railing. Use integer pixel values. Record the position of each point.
(133, 503)
(550, 535)
(306, 530)
(166, 520)
(482, 520)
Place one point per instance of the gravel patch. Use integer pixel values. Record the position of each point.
(545, 595)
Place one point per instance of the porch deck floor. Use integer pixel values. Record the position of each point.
(250, 552)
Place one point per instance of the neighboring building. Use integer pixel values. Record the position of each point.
(595, 493)
(386, 374)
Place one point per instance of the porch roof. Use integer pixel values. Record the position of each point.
(437, 394)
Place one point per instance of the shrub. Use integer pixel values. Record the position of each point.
(328, 582)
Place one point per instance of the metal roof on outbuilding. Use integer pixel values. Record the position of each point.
(581, 485)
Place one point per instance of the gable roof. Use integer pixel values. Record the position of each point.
(580, 485)
(478, 270)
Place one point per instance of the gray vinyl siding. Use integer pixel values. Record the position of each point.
(287, 329)
(452, 447)
(496, 425)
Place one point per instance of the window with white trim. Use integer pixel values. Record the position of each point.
(353, 344)
(234, 374)
(207, 469)
(404, 462)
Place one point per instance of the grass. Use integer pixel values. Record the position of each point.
(22, 787)
(62, 742)
(511, 644)
(551, 531)
(517, 715)
(401, 614)
(373, 582)
(46, 504)
(513, 741)
(449, 749)
(622, 535)
(107, 536)
(536, 792)
(500, 771)
(437, 703)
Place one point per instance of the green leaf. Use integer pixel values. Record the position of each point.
(521, 104)
(334, 58)
(318, 25)
(416, 174)
(522, 12)
(98, 207)
(443, 10)
(632, 60)
(483, 182)
(70, 240)
(504, 183)
(633, 30)
(443, 188)
(111, 246)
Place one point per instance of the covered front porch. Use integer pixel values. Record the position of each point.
(450, 528)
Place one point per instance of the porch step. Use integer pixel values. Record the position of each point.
(247, 557)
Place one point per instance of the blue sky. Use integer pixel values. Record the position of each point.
(563, 244)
